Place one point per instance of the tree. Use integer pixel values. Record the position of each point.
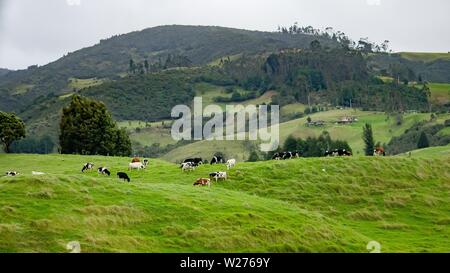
(12, 128)
(253, 157)
(132, 66)
(423, 141)
(146, 65)
(368, 139)
(87, 128)
(315, 45)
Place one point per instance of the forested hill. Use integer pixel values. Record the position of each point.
(110, 58)
(4, 71)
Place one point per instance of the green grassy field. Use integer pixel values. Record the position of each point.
(440, 92)
(384, 128)
(425, 56)
(302, 205)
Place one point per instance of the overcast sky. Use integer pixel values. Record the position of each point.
(41, 31)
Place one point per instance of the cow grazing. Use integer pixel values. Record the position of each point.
(203, 182)
(146, 162)
(12, 173)
(197, 161)
(379, 151)
(287, 155)
(188, 166)
(217, 160)
(136, 166)
(218, 175)
(104, 171)
(277, 156)
(338, 152)
(123, 176)
(87, 167)
(231, 163)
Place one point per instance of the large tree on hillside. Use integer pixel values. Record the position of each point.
(368, 139)
(87, 128)
(12, 128)
(423, 141)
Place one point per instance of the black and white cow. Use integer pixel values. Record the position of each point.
(217, 160)
(12, 173)
(197, 161)
(338, 152)
(145, 163)
(104, 171)
(188, 166)
(87, 167)
(123, 176)
(218, 175)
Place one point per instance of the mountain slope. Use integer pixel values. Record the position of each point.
(304, 205)
(110, 58)
(4, 71)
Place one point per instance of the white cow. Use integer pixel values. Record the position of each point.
(231, 163)
(136, 166)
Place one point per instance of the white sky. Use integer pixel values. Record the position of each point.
(41, 31)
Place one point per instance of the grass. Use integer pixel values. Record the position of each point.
(384, 128)
(22, 89)
(440, 92)
(79, 84)
(303, 205)
(425, 56)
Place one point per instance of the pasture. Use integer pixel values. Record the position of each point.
(299, 205)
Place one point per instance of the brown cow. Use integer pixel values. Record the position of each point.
(203, 182)
(379, 151)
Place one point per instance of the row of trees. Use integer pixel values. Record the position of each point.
(363, 44)
(314, 146)
(171, 61)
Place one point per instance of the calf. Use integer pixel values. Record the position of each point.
(12, 173)
(203, 182)
(188, 166)
(136, 166)
(231, 163)
(103, 170)
(87, 167)
(123, 176)
(218, 175)
(146, 162)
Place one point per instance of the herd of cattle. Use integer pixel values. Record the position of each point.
(191, 164)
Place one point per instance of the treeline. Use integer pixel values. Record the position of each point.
(336, 76)
(421, 135)
(363, 44)
(313, 146)
(34, 145)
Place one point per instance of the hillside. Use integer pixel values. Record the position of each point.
(304, 205)
(384, 126)
(4, 71)
(110, 58)
(431, 67)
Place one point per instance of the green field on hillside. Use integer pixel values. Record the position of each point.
(301, 205)
(440, 92)
(425, 56)
(384, 127)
